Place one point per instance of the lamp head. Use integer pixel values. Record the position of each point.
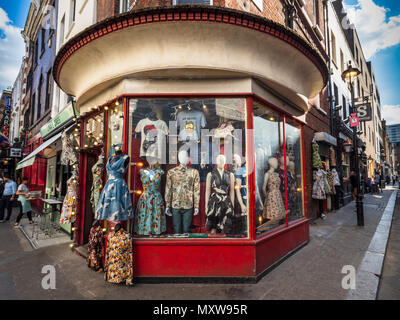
(350, 73)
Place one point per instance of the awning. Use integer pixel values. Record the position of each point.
(325, 137)
(29, 159)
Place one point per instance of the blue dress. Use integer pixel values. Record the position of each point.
(115, 202)
(150, 217)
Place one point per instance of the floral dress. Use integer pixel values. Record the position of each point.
(97, 171)
(273, 207)
(115, 201)
(150, 216)
(95, 249)
(70, 204)
(119, 258)
(318, 191)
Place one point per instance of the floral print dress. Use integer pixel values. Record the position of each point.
(95, 249)
(119, 258)
(97, 171)
(273, 207)
(70, 204)
(150, 216)
(115, 201)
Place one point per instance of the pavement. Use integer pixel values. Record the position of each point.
(313, 272)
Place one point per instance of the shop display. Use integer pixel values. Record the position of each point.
(332, 157)
(70, 203)
(94, 259)
(97, 185)
(115, 201)
(316, 159)
(119, 257)
(189, 124)
(336, 180)
(68, 156)
(241, 191)
(153, 132)
(116, 122)
(330, 177)
(219, 201)
(318, 191)
(150, 216)
(274, 209)
(182, 194)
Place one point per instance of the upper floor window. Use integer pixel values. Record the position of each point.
(316, 12)
(43, 40)
(48, 90)
(341, 62)
(72, 12)
(62, 30)
(124, 6)
(333, 47)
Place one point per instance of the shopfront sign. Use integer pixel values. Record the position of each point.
(15, 152)
(354, 120)
(364, 112)
(5, 130)
(59, 120)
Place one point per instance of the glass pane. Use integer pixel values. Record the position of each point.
(94, 131)
(270, 176)
(294, 170)
(188, 173)
(116, 124)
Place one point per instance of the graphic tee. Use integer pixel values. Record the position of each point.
(189, 123)
(153, 137)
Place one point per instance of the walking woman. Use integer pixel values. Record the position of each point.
(23, 194)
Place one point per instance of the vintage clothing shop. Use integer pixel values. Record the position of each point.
(206, 148)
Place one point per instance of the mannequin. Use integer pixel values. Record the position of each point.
(94, 259)
(97, 172)
(219, 203)
(274, 209)
(150, 217)
(241, 190)
(182, 193)
(115, 201)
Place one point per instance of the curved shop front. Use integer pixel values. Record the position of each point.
(226, 87)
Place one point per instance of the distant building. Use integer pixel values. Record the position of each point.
(394, 133)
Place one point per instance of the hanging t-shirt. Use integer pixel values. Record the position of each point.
(153, 140)
(189, 123)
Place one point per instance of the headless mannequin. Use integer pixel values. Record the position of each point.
(152, 116)
(117, 155)
(183, 159)
(273, 167)
(238, 181)
(221, 160)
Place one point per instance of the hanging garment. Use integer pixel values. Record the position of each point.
(330, 178)
(115, 201)
(153, 135)
(336, 180)
(70, 204)
(150, 216)
(317, 163)
(326, 182)
(220, 208)
(224, 130)
(119, 258)
(68, 156)
(94, 259)
(189, 123)
(274, 208)
(318, 191)
(97, 185)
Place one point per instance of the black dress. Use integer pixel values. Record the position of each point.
(220, 208)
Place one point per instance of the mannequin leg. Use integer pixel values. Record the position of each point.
(177, 220)
(187, 215)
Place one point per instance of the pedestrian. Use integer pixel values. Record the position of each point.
(387, 180)
(25, 206)
(6, 201)
(353, 182)
(394, 179)
(378, 181)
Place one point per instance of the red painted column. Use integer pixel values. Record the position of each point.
(251, 167)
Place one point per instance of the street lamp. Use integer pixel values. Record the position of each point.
(349, 75)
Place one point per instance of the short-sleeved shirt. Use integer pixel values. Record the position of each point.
(190, 123)
(10, 188)
(23, 188)
(153, 137)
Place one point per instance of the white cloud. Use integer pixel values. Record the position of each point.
(375, 30)
(12, 49)
(391, 114)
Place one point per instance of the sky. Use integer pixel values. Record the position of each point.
(377, 23)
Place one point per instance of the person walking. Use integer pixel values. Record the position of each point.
(394, 179)
(378, 181)
(10, 188)
(25, 207)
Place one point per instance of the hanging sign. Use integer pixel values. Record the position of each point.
(364, 112)
(354, 120)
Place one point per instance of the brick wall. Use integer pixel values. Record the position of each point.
(107, 8)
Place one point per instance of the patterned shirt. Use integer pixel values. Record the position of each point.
(183, 188)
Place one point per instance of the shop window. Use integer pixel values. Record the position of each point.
(269, 169)
(294, 170)
(188, 174)
(116, 125)
(94, 131)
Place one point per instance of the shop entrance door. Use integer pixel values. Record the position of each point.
(91, 159)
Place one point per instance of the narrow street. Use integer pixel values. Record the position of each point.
(313, 272)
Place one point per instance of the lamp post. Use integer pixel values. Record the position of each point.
(349, 74)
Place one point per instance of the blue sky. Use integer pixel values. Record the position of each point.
(377, 22)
